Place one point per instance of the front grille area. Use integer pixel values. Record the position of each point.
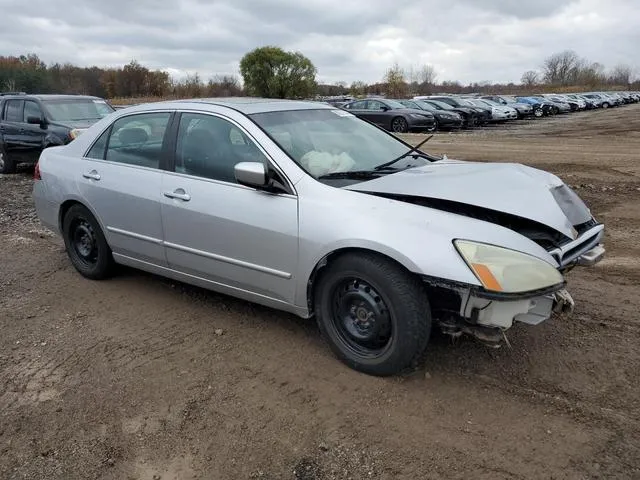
(583, 227)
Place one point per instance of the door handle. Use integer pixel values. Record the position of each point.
(178, 194)
(93, 175)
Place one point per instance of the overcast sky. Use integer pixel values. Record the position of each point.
(465, 40)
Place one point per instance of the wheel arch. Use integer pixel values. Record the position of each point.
(328, 258)
(70, 202)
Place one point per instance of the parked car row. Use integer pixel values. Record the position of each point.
(451, 112)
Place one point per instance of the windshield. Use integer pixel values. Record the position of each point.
(77, 109)
(410, 103)
(426, 105)
(462, 101)
(328, 141)
(394, 104)
(440, 105)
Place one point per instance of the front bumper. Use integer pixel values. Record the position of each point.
(585, 250)
(501, 116)
(422, 123)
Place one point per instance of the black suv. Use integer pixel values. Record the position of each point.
(31, 123)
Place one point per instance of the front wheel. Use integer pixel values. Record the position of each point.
(538, 112)
(374, 314)
(86, 245)
(399, 125)
(6, 164)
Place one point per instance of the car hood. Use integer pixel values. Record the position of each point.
(517, 105)
(466, 110)
(501, 187)
(79, 124)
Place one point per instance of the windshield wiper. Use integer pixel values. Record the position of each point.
(413, 153)
(365, 174)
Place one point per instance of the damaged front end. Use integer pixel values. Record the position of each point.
(466, 310)
(515, 287)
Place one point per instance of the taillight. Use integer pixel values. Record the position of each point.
(36, 172)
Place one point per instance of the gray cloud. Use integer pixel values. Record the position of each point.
(465, 40)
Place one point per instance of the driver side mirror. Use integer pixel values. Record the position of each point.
(35, 120)
(251, 174)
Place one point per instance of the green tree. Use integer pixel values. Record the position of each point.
(274, 73)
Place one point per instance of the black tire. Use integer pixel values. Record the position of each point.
(399, 125)
(86, 245)
(356, 288)
(6, 164)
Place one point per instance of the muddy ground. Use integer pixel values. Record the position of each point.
(142, 378)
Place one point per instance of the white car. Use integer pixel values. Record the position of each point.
(499, 113)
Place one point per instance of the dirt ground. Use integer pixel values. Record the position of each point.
(142, 378)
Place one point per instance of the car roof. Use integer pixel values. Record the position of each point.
(246, 105)
(48, 96)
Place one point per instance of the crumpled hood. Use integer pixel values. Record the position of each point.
(505, 187)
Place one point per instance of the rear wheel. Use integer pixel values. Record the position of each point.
(6, 164)
(86, 245)
(605, 105)
(399, 125)
(436, 126)
(374, 315)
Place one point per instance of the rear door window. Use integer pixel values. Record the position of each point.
(13, 110)
(137, 139)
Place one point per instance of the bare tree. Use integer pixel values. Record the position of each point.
(395, 81)
(591, 75)
(530, 78)
(621, 75)
(427, 75)
(358, 88)
(562, 68)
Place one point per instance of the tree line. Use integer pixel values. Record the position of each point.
(273, 72)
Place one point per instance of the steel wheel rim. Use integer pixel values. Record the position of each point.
(361, 318)
(84, 242)
(399, 125)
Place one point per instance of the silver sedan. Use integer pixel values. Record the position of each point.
(303, 207)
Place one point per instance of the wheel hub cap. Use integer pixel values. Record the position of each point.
(361, 316)
(84, 241)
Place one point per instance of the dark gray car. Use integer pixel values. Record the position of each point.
(392, 115)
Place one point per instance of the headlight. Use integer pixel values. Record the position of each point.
(75, 133)
(504, 270)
